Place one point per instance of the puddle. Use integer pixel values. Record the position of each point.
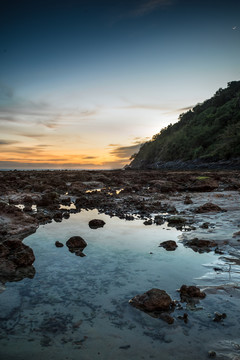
(77, 308)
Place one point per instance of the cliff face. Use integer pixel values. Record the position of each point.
(208, 133)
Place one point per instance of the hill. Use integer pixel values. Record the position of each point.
(209, 132)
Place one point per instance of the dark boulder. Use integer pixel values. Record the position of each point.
(169, 245)
(153, 300)
(96, 223)
(76, 243)
(58, 244)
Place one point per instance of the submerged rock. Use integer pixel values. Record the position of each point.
(169, 245)
(190, 292)
(201, 246)
(96, 223)
(16, 261)
(153, 300)
(219, 317)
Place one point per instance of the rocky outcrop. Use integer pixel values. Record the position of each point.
(16, 259)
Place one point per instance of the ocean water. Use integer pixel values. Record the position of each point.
(77, 308)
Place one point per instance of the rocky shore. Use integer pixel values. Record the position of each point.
(193, 201)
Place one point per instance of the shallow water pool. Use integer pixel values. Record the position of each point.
(77, 308)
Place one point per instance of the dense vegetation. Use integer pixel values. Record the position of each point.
(209, 131)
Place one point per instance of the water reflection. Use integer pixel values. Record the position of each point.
(77, 308)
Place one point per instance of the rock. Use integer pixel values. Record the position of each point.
(153, 300)
(28, 208)
(96, 223)
(159, 220)
(28, 200)
(219, 317)
(171, 209)
(16, 259)
(65, 200)
(208, 207)
(79, 253)
(205, 225)
(76, 243)
(188, 292)
(212, 354)
(58, 244)
(176, 221)
(184, 317)
(236, 234)
(167, 318)
(17, 252)
(48, 199)
(164, 186)
(58, 216)
(200, 246)
(169, 245)
(148, 222)
(129, 217)
(188, 200)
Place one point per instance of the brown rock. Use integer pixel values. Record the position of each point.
(219, 317)
(208, 207)
(169, 245)
(188, 292)
(75, 243)
(153, 300)
(96, 223)
(58, 244)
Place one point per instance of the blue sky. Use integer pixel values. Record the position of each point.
(84, 83)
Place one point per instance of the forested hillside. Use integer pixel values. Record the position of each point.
(210, 131)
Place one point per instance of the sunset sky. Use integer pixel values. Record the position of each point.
(84, 82)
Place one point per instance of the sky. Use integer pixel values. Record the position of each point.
(83, 83)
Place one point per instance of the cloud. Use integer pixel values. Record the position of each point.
(88, 157)
(31, 135)
(8, 142)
